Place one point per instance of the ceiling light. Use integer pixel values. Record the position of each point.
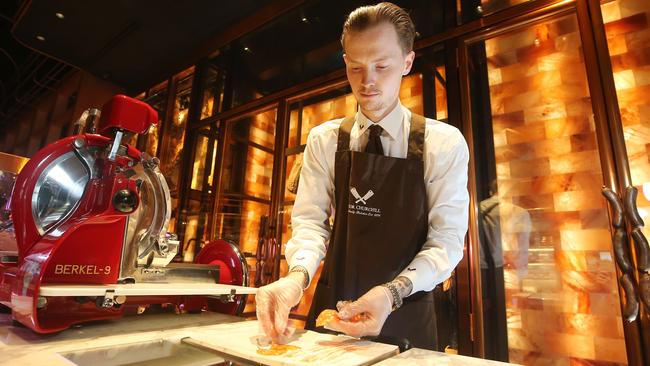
(40, 38)
(59, 15)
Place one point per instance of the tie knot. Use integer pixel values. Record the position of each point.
(375, 130)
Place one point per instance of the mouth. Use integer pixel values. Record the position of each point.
(369, 94)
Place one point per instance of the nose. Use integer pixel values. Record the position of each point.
(369, 78)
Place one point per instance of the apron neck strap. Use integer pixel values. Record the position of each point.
(344, 134)
(416, 136)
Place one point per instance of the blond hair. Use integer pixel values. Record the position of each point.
(368, 16)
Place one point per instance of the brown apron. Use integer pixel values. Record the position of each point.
(380, 225)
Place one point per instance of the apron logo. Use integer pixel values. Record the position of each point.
(363, 199)
(363, 209)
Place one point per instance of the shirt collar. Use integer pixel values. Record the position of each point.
(392, 123)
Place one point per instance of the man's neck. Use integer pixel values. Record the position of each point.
(378, 116)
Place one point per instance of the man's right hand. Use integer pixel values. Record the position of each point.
(273, 303)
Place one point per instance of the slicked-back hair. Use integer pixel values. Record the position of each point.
(368, 16)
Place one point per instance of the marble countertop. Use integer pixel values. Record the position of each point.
(110, 342)
(21, 346)
(423, 357)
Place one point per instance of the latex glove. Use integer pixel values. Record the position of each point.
(273, 303)
(374, 306)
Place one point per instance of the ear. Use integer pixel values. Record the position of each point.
(408, 63)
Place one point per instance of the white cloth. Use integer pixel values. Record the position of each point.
(445, 177)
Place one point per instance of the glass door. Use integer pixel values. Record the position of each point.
(625, 28)
(539, 230)
(244, 200)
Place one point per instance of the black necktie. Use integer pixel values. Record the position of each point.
(374, 142)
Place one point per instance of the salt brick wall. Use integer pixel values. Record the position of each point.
(548, 163)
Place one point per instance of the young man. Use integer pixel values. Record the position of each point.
(396, 186)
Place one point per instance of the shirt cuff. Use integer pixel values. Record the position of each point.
(307, 259)
(419, 272)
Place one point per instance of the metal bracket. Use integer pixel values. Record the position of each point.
(109, 299)
(117, 140)
(229, 297)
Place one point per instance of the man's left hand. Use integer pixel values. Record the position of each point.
(374, 307)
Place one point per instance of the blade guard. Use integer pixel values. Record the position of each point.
(233, 270)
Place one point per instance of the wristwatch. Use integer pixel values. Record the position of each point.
(397, 299)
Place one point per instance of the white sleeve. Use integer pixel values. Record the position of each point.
(448, 203)
(312, 209)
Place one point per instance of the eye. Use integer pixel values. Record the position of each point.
(382, 67)
(355, 69)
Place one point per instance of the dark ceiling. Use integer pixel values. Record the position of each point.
(303, 43)
(266, 45)
(24, 73)
(134, 44)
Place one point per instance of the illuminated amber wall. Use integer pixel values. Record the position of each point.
(259, 163)
(561, 299)
(410, 93)
(315, 114)
(441, 96)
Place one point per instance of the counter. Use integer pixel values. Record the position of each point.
(155, 339)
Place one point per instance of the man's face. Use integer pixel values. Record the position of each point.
(375, 64)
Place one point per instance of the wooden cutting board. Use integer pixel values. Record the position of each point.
(240, 340)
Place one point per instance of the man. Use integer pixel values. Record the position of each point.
(396, 186)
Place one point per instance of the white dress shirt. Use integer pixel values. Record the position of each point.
(445, 178)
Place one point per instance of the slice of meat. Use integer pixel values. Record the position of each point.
(277, 349)
(325, 317)
(328, 315)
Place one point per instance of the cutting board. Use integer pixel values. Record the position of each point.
(240, 340)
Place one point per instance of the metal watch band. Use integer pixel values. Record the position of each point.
(397, 300)
(303, 270)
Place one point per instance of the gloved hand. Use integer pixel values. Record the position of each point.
(375, 305)
(273, 303)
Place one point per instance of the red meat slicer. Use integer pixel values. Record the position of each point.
(90, 216)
